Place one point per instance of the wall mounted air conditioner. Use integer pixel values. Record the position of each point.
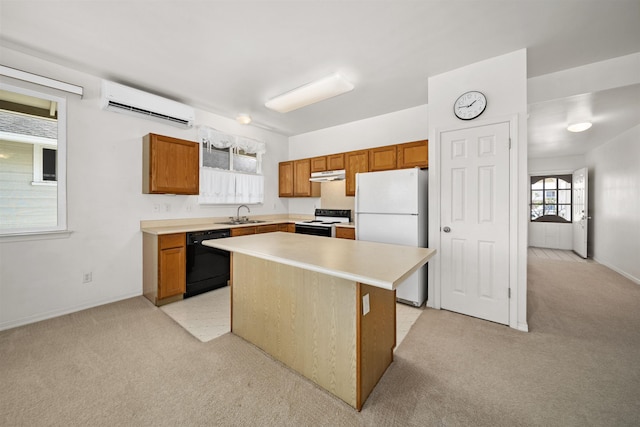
(127, 100)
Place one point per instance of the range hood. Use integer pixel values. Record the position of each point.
(327, 176)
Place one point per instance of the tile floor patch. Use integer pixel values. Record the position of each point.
(208, 316)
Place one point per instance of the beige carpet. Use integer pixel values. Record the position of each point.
(127, 364)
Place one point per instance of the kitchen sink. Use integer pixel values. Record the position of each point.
(241, 222)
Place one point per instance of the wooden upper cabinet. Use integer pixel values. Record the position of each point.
(302, 187)
(382, 158)
(413, 154)
(170, 165)
(319, 164)
(285, 179)
(335, 162)
(354, 162)
(293, 179)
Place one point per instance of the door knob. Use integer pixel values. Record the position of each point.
(446, 229)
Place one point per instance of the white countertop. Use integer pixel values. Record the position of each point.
(377, 264)
(171, 226)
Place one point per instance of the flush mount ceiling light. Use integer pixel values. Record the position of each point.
(319, 90)
(243, 119)
(579, 127)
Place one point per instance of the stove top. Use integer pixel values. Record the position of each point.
(328, 217)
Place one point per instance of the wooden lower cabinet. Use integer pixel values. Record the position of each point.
(287, 227)
(164, 267)
(242, 231)
(270, 228)
(164, 259)
(345, 233)
(267, 228)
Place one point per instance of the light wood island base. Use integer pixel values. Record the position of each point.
(324, 307)
(314, 324)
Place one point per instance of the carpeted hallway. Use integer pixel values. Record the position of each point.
(128, 364)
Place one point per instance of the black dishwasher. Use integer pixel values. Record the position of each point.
(207, 268)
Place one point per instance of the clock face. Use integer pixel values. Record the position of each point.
(470, 105)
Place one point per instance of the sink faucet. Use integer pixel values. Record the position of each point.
(238, 213)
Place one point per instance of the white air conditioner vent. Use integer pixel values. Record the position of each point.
(126, 100)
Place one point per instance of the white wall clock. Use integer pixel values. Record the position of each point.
(470, 105)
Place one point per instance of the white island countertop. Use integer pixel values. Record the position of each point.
(377, 264)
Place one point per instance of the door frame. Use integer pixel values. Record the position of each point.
(517, 225)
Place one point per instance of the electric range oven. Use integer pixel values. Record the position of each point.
(324, 223)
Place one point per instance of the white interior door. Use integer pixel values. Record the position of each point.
(474, 222)
(580, 217)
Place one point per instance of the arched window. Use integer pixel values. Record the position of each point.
(551, 198)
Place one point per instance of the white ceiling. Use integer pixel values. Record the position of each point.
(229, 57)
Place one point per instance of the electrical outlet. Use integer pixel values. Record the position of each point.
(87, 277)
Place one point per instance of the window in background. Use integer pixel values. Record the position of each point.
(32, 161)
(230, 158)
(551, 198)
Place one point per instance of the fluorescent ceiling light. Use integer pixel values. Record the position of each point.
(243, 119)
(579, 127)
(310, 93)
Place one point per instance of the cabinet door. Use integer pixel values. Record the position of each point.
(413, 154)
(345, 233)
(170, 165)
(172, 258)
(285, 179)
(355, 162)
(270, 228)
(335, 162)
(287, 228)
(242, 231)
(302, 187)
(319, 164)
(382, 158)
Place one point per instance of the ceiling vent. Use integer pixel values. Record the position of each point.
(126, 100)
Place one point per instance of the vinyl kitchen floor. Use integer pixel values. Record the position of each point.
(208, 316)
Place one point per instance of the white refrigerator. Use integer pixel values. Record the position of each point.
(391, 207)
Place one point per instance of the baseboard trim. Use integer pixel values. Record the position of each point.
(617, 270)
(61, 312)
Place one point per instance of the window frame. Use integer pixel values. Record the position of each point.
(231, 151)
(61, 165)
(567, 177)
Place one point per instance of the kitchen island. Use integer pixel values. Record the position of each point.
(324, 307)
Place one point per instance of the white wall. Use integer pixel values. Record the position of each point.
(555, 165)
(503, 80)
(393, 128)
(614, 203)
(43, 278)
(549, 234)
